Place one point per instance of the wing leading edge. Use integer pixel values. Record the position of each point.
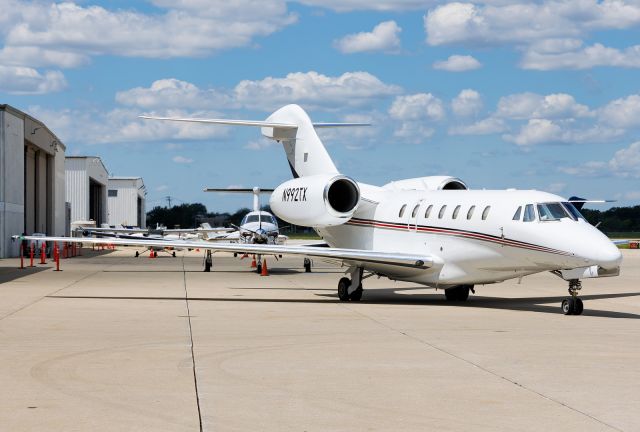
(348, 256)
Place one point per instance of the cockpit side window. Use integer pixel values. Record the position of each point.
(516, 217)
(575, 213)
(529, 213)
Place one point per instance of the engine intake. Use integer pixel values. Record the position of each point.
(316, 201)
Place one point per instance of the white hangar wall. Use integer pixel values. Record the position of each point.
(32, 189)
(127, 201)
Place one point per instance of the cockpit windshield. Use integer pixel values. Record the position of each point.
(553, 212)
(575, 213)
(255, 218)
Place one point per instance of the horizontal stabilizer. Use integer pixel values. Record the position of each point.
(239, 190)
(257, 123)
(226, 122)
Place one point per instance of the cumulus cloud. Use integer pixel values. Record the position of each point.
(458, 63)
(384, 37)
(622, 113)
(173, 92)
(486, 126)
(549, 32)
(313, 90)
(525, 22)
(532, 105)
(538, 131)
(584, 58)
(624, 163)
(182, 160)
(39, 34)
(416, 113)
(25, 80)
(378, 5)
(467, 103)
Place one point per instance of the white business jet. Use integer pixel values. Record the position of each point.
(429, 230)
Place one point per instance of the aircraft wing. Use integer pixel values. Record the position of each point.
(114, 230)
(349, 256)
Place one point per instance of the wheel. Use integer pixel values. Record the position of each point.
(235, 254)
(173, 254)
(457, 293)
(343, 289)
(259, 268)
(137, 254)
(569, 306)
(307, 265)
(579, 307)
(357, 294)
(207, 266)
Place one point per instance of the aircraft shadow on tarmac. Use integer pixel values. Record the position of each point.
(7, 274)
(391, 297)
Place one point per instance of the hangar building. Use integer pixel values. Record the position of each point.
(86, 188)
(127, 201)
(32, 190)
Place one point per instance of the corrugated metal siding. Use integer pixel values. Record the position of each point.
(77, 188)
(123, 209)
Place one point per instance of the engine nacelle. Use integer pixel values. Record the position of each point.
(316, 201)
(431, 183)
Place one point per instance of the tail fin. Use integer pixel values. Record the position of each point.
(305, 152)
(291, 126)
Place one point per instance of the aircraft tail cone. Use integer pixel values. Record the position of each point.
(265, 270)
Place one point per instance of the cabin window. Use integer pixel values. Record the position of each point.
(485, 212)
(428, 211)
(415, 211)
(529, 214)
(442, 210)
(456, 211)
(402, 209)
(516, 216)
(470, 212)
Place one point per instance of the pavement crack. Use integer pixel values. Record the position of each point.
(483, 369)
(193, 357)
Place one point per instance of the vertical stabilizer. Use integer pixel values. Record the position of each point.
(305, 152)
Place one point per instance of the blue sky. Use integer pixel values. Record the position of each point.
(502, 94)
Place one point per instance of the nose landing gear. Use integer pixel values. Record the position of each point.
(573, 305)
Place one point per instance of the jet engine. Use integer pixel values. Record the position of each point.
(431, 183)
(316, 201)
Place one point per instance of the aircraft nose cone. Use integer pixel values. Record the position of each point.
(609, 256)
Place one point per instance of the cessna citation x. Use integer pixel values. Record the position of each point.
(430, 230)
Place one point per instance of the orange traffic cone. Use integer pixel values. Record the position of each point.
(265, 270)
(253, 263)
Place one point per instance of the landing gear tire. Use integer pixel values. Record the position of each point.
(207, 266)
(572, 306)
(457, 293)
(343, 289)
(137, 254)
(173, 254)
(259, 268)
(307, 265)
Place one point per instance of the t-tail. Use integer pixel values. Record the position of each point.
(291, 126)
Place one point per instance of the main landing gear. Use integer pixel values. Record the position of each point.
(208, 261)
(573, 305)
(307, 265)
(458, 293)
(351, 289)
